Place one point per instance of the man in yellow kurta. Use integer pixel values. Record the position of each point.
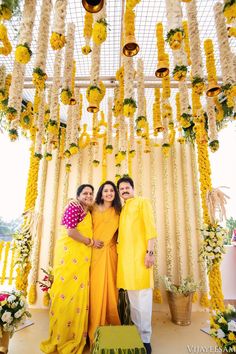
(137, 234)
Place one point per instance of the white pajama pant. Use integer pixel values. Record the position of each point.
(141, 312)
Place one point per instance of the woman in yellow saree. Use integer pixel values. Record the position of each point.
(103, 290)
(70, 290)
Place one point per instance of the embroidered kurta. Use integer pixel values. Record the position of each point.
(136, 227)
(103, 290)
(70, 290)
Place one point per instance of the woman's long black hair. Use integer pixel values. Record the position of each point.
(116, 203)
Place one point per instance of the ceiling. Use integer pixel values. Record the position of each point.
(148, 13)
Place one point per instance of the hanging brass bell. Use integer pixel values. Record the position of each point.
(131, 48)
(93, 108)
(162, 69)
(93, 6)
(159, 129)
(213, 89)
(72, 101)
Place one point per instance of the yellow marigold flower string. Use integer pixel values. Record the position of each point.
(11, 266)
(1, 248)
(88, 28)
(4, 269)
(186, 41)
(6, 48)
(210, 60)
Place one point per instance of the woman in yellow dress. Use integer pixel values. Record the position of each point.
(70, 290)
(103, 290)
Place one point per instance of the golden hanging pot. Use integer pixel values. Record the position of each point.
(131, 48)
(162, 69)
(4, 342)
(159, 129)
(213, 89)
(93, 6)
(93, 108)
(72, 101)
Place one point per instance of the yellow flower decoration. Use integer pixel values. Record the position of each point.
(66, 96)
(99, 32)
(6, 48)
(23, 53)
(5, 13)
(230, 10)
(57, 40)
(73, 149)
(86, 50)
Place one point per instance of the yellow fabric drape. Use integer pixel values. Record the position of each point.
(70, 294)
(103, 291)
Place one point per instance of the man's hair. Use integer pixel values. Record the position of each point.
(126, 180)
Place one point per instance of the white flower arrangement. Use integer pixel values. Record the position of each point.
(13, 310)
(213, 244)
(185, 287)
(223, 328)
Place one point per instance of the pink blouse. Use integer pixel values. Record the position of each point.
(72, 216)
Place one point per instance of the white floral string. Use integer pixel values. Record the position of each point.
(187, 214)
(43, 35)
(176, 184)
(167, 221)
(69, 53)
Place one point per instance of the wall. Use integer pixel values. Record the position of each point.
(149, 176)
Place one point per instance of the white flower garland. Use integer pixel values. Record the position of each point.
(139, 168)
(95, 65)
(173, 14)
(27, 23)
(79, 165)
(75, 119)
(59, 16)
(66, 183)
(154, 198)
(167, 221)
(2, 77)
(141, 90)
(197, 202)
(68, 129)
(109, 122)
(128, 77)
(194, 39)
(43, 35)
(226, 58)
(54, 209)
(54, 95)
(187, 214)
(178, 234)
(183, 96)
(90, 164)
(69, 53)
(131, 135)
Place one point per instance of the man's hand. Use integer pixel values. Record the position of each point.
(149, 260)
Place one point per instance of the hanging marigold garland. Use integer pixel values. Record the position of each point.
(33, 276)
(215, 284)
(22, 256)
(58, 39)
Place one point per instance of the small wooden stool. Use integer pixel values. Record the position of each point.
(117, 339)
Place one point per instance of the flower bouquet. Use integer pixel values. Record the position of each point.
(180, 299)
(13, 310)
(46, 284)
(223, 329)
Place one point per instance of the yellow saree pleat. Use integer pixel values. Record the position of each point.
(70, 294)
(103, 291)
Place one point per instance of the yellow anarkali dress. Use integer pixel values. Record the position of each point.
(70, 294)
(103, 291)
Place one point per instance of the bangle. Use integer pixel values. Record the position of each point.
(91, 243)
(150, 253)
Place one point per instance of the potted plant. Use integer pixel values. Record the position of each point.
(13, 311)
(180, 299)
(223, 329)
